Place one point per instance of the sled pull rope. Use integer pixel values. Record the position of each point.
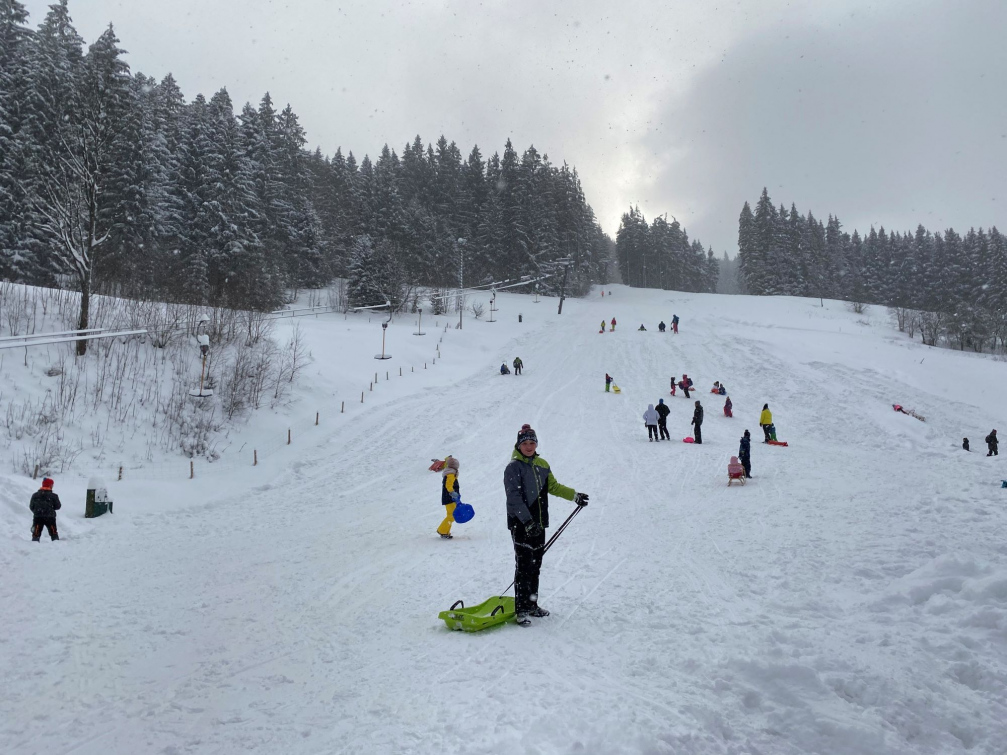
(497, 610)
(456, 604)
(552, 539)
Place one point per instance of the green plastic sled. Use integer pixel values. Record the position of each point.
(497, 610)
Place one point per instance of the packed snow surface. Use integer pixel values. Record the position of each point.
(852, 598)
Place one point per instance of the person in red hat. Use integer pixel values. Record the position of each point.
(44, 505)
(528, 481)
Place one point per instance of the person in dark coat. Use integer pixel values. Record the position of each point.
(662, 418)
(992, 443)
(661, 326)
(745, 453)
(697, 422)
(528, 480)
(965, 443)
(518, 365)
(44, 505)
(728, 408)
(674, 323)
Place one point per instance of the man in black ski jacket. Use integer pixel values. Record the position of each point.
(44, 505)
(528, 480)
(697, 421)
(992, 443)
(745, 453)
(662, 419)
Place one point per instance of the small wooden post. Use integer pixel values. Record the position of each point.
(386, 376)
(375, 377)
(120, 473)
(316, 417)
(372, 387)
(400, 372)
(34, 475)
(424, 365)
(342, 407)
(255, 458)
(192, 469)
(361, 397)
(288, 436)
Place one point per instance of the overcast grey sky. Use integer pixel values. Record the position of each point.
(889, 113)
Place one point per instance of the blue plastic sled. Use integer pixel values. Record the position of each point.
(463, 512)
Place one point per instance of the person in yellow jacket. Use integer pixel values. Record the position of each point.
(766, 420)
(450, 492)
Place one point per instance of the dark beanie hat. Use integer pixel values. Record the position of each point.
(526, 433)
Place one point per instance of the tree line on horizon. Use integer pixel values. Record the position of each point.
(944, 285)
(659, 255)
(111, 182)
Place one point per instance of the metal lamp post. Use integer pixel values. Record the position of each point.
(383, 355)
(419, 324)
(204, 349)
(493, 305)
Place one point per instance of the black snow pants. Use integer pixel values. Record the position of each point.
(699, 432)
(765, 429)
(992, 449)
(527, 565)
(746, 462)
(652, 432)
(662, 426)
(48, 523)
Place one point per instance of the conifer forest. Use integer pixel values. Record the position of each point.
(113, 182)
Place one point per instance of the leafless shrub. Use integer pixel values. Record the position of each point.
(478, 310)
(293, 358)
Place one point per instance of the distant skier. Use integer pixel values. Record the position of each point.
(608, 382)
(613, 323)
(745, 453)
(674, 323)
(992, 443)
(504, 369)
(965, 443)
(728, 408)
(765, 420)
(641, 327)
(528, 481)
(662, 418)
(44, 505)
(450, 492)
(697, 422)
(518, 364)
(650, 418)
(661, 326)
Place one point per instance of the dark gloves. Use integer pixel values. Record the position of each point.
(580, 499)
(533, 529)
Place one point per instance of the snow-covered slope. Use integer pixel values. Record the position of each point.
(851, 599)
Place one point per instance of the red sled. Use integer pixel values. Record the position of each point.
(777, 442)
(690, 439)
(437, 466)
